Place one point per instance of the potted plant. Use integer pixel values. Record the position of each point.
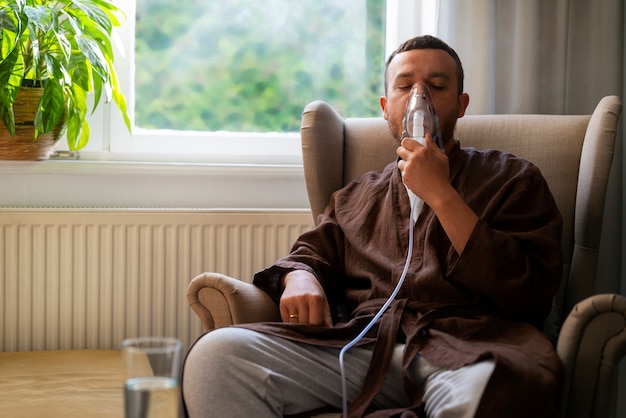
(53, 55)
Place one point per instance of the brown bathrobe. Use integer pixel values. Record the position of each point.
(454, 310)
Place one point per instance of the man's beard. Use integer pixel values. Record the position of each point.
(395, 128)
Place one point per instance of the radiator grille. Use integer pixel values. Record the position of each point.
(90, 278)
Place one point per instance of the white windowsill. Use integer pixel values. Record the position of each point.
(115, 184)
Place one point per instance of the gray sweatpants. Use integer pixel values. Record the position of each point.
(234, 372)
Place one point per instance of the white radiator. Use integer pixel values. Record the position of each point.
(74, 279)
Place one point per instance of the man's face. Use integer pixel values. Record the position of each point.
(435, 68)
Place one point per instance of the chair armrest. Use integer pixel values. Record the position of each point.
(219, 301)
(591, 344)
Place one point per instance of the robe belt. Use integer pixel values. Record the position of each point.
(381, 358)
(400, 313)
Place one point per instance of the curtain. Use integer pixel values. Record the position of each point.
(537, 56)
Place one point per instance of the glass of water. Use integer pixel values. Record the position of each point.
(152, 388)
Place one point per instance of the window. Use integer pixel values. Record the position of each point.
(249, 66)
(183, 168)
(226, 81)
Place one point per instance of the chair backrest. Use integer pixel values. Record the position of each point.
(573, 152)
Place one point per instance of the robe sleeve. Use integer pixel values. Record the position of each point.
(513, 258)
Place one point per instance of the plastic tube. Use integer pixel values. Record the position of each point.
(381, 311)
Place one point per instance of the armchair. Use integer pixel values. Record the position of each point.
(574, 154)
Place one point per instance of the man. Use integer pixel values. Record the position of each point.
(461, 338)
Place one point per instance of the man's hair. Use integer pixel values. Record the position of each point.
(428, 42)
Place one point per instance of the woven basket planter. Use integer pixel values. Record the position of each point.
(23, 145)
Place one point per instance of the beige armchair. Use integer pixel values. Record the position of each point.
(573, 152)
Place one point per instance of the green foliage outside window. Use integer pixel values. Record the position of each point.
(251, 66)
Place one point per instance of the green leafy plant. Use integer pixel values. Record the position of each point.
(64, 47)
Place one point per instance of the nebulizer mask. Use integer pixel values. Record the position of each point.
(420, 116)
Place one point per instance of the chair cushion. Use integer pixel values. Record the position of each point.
(65, 383)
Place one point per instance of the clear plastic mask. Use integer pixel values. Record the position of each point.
(420, 116)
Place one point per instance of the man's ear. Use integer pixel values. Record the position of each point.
(463, 103)
(383, 105)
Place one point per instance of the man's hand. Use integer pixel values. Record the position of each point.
(425, 168)
(426, 171)
(304, 301)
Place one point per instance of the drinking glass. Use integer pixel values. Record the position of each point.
(152, 388)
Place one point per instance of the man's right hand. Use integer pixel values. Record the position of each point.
(304, 301)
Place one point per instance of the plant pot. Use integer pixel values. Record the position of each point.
(23, 145)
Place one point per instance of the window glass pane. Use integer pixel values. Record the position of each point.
(251, 66)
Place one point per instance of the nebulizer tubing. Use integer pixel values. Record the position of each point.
(420, 116)
(381, 311)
